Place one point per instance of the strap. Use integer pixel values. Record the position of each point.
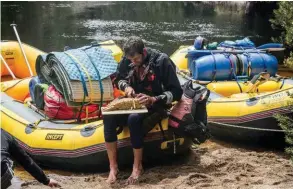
(231, 67)
(100, 83)
(86, 114)
(249, 64)
(264, 62)
(215, 67)
(283, 82)
(87, 74)
(175, 119)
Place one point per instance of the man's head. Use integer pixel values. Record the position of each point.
(134, 50)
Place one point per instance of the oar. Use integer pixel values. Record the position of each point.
(270, 45)
(20, 45)
(200, 53)
(8, 68)
(237, 51)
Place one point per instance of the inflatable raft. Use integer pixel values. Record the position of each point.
(78, 146)
(17, 87)
(238, 109)
(248, 116)
(66, 144)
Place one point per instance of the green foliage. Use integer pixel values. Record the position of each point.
(284, 21)
(289, 61)
(286, 124)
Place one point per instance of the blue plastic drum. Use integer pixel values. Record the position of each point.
(214, 67)
(259, 62)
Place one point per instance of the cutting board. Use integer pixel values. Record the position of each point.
(115, 112)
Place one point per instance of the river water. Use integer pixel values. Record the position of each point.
(50, 26)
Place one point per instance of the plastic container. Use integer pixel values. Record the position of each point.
(214, 67)
(259, 62)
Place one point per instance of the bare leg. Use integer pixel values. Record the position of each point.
(137, 166)
(112, 155)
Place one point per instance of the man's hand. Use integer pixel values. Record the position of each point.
(129, 92)
(145, 99)
(53, 183)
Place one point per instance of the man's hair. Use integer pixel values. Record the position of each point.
(133, 45)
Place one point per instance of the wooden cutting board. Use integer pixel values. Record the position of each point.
(114, 112)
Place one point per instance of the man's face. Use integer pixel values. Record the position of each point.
(136, 59)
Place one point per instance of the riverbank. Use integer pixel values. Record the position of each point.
(213, 164)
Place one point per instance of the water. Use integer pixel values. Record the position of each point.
(50, 26)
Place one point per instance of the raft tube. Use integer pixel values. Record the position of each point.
(246, 116)
(79, 146)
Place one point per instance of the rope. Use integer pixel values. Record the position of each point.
(85, 70)
(249, 128)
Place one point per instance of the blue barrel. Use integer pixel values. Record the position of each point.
(35, 80)
(214, 67)
(259, 62)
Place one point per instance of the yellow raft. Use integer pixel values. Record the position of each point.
(242, 110)
(11, 52)
(67, 144)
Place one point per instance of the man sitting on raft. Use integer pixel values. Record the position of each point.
(150, 76)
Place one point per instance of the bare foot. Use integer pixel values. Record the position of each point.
(112, 176)
(136, 173)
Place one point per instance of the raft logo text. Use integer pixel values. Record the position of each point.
(51, 136)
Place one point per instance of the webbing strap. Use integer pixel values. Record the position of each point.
(81, 77)
(265, 65)
(234, 74)
(215, 67)
(75, 60)
(249, 64)
(231, 67)
(87, 114)
(100, 83)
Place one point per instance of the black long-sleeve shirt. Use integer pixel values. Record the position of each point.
(10, 148)
(161, 80)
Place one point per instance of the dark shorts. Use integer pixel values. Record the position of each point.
(133, 121)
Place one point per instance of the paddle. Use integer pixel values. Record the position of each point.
(257, 80)
(20, 45)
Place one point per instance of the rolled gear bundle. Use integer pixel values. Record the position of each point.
(80, 75)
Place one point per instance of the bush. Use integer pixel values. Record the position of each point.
(283, 21)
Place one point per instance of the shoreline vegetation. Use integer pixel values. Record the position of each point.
(282, 21)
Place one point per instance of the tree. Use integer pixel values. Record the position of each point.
(283, 21)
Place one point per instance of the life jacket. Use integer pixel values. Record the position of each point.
(189, 116)
(56, 107)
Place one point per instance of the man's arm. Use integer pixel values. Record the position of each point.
(173, 90)
(27, 162)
